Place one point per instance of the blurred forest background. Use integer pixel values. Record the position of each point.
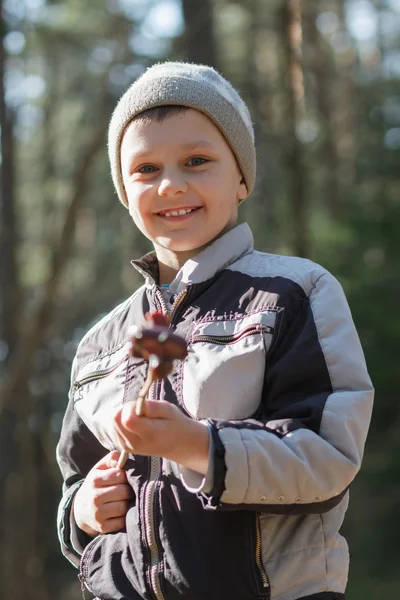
(322, 79)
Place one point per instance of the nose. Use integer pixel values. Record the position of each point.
(172, 184)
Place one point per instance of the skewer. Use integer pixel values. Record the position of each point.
(160, 346)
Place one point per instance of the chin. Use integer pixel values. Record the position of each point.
(184, 245)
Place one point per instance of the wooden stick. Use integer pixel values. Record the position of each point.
(141, 400)
(141, 404)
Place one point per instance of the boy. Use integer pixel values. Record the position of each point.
(237, 479)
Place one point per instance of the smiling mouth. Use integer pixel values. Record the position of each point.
(180, 212)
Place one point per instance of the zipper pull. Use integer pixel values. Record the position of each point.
(177, 302)
(82, 580)
(77, 387)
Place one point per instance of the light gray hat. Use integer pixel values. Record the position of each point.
(194, 86)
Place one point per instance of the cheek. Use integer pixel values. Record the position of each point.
(227, 210)
(211, 188)
(133, 207)
(138, 203)
(220, 182)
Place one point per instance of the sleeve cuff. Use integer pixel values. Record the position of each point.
(196, 482)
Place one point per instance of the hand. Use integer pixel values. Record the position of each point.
(163, 431)
(101, 503)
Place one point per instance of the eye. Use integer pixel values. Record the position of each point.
(147, 169)
(196, 161)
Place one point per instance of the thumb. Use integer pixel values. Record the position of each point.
(159, 409)
(154, 409)
(109, 461)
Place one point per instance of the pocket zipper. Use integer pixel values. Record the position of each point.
(81, 576)
(259, 563)
(236, 337)
(98, 374)
(150, 491)
(82, 582)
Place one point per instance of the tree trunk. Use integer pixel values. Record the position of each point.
(9, 301)
(199, 39)
(9, 283)
(21, 537)
(328, 153)
(261, 210)
(292, 38)
(48, 159)
(346, 120)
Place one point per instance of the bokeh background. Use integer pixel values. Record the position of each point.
(322, 80)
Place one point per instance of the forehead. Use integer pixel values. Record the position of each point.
(182, 129)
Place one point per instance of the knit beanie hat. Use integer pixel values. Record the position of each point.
(195, 86)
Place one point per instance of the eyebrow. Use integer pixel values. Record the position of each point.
(197, 144)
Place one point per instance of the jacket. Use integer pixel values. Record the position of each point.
(276, 369)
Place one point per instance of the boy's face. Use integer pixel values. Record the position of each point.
(183, 164)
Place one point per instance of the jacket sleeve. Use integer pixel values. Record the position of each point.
(78, 451)
(317, 401)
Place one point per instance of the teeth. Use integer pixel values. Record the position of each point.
(177, 213)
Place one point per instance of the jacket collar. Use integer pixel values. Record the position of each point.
(220, 254)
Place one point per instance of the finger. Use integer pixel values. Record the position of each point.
(127, 418)
(112, 459)
(125, 438)
(112, 510)
(110, 477)
(107, 461)
(113, 493)
(111, 525)
(160, 409)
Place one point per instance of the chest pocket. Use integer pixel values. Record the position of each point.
(224, 372)
(99, 391)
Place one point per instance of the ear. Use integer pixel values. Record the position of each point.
(126, 203)
(242, 192)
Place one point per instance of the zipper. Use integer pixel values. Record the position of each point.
(81, 576)
(178, 301)
(152, 485)
(236, 337)
(161, 300)
(259, 563)
(149, 516)
(98, 374)
(149, 522)
(82, 582)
